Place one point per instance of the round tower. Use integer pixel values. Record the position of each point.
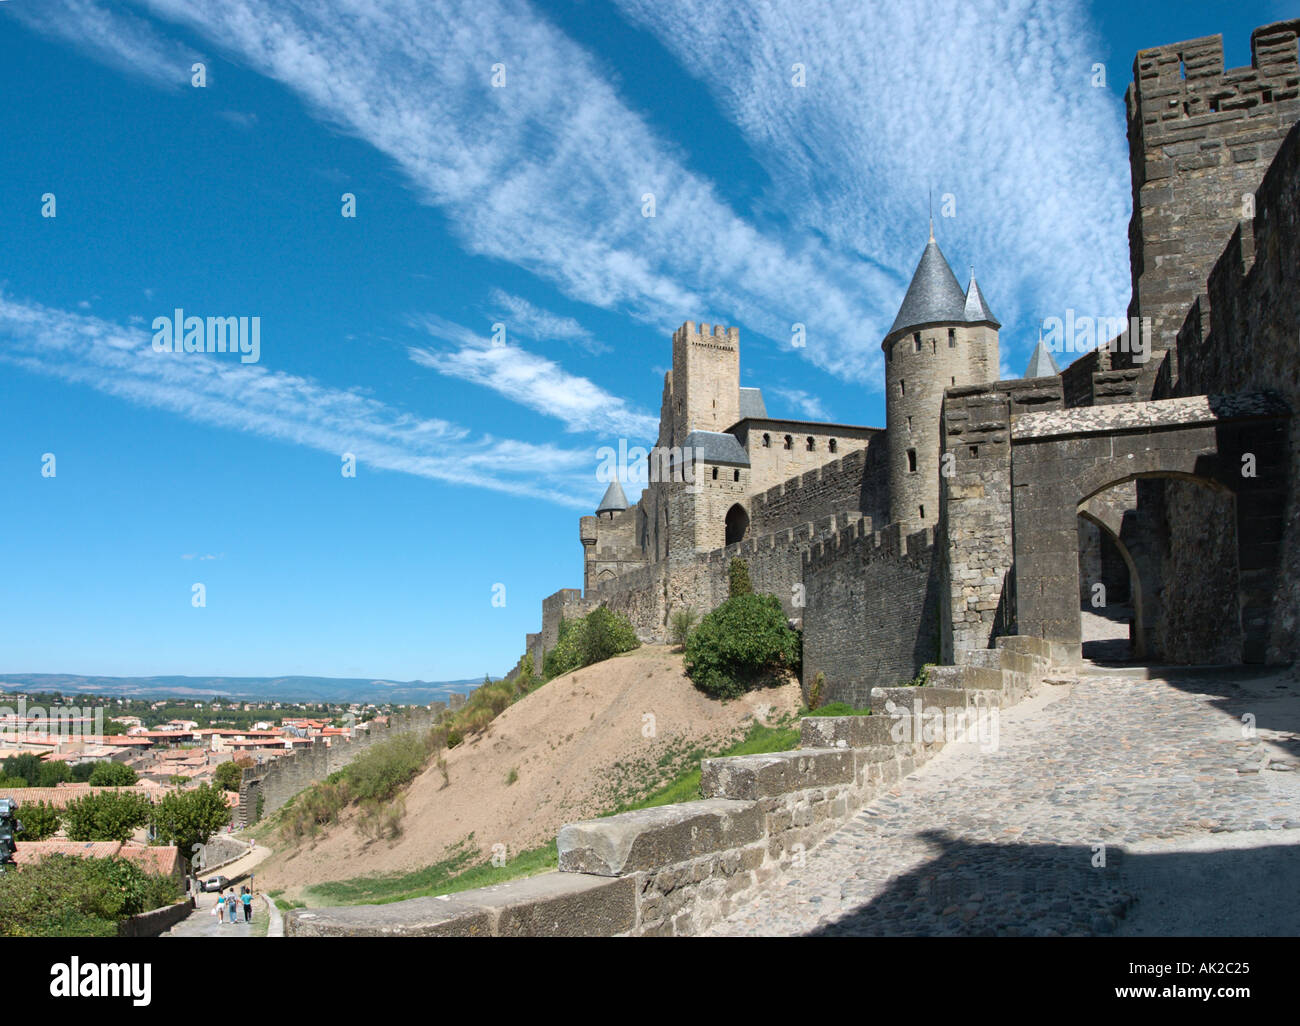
(942, 337)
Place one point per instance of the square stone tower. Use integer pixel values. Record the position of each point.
(706, 379)
(1200, 140)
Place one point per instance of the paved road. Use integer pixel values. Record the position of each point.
(1198, 838)
(202, 923)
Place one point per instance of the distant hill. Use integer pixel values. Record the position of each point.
(248, 689)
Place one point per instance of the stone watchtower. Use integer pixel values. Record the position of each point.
(1200, 140)
(942, 337)
(706, 379)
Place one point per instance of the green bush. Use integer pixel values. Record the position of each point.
(69, 896)
(112, 774)
(40, 820)
(593, 638)
(738, 579)
(681, 624)
(741, 645)
(82, 771)
(605, 634)
(106, 816)
(12, 783)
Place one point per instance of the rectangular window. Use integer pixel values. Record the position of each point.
(916, 341)
(952, 338)
(902, 387)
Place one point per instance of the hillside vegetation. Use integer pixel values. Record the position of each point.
(518, 761)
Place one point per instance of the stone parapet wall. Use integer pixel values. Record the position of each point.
(677, 869)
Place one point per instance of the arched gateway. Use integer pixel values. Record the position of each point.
(1062, 459)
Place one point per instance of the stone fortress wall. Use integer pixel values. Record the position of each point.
(265, 789)
(991, 589)
(894, 548)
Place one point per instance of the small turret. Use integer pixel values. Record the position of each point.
(943, 337)
(613, 502)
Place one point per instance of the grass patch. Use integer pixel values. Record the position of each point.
(463, 870)
(759, 740)
(835, 709)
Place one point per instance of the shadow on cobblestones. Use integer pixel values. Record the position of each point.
(1019, 890)
(988, 890)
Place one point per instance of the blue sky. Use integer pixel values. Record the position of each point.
(476, 205)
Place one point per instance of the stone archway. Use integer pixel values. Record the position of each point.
(1062, 459)
(737, 524)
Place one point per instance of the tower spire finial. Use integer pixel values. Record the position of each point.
(932, 215)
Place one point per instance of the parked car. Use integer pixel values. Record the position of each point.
(215, 883)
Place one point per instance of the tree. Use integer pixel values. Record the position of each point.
(40, 820)
(112, 774)
(82, 771)
(739, 645)
(187, 818)
(228, 776)
(52, 773)
(27, 766)
(106, 816)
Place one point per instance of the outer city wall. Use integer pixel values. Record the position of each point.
(271, 786)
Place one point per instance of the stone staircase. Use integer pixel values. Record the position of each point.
(676, 869)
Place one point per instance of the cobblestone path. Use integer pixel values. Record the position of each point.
(1161, 773)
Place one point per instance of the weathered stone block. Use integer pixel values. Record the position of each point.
(652, 838)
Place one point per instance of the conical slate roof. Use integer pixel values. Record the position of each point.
(614, 501)
(977, 310)
(1041, 364)
(934, 295)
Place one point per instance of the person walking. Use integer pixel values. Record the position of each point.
(233, 906)
(248, 905)
(221, 908)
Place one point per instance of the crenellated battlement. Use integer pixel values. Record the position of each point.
(705, 333)
(1186, 81)
(887, 543)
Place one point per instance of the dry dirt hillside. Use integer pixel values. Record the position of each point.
(577, 747)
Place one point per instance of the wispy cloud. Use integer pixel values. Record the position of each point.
(548, 173)
(532, 381)
(989, 102)
(211, 389)
(108, 33)
(804, 403)
(523, 318)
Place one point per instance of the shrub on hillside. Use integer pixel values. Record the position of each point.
(681, 624)
(106, 816)
(742, 644)
(738, 579)
(605, 634)
(589, 639)
(69, 896)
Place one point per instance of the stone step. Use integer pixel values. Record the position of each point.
(844, 731)
(928, 695)
(750, 777)
(648, 839)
